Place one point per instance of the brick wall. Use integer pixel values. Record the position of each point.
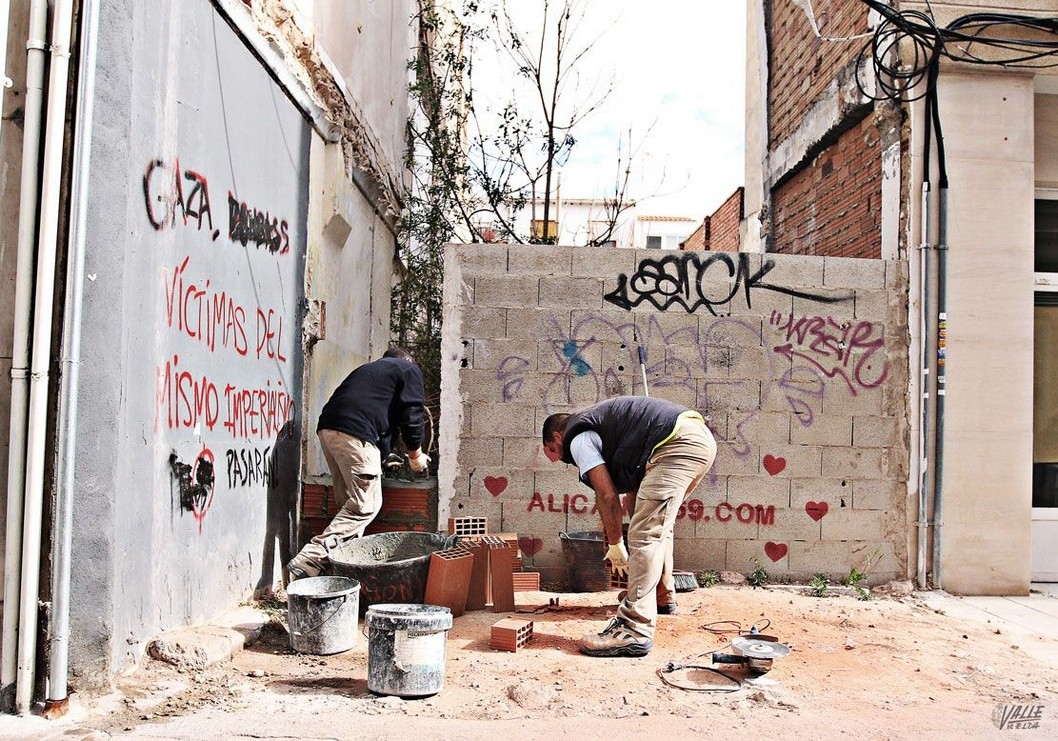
(699, 239)
(832, 206)
(800, 66)
(724, 223)
(798, 362)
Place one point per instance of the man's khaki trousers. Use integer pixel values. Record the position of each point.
(356, 473)
(672, 473)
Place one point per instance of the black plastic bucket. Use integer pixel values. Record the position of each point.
(391, 567)
(406, 646)
(583, 553)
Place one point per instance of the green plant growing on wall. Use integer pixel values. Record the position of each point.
(759, 576)
(857, 578)
(820, 585)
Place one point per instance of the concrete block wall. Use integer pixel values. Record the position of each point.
(799, 364)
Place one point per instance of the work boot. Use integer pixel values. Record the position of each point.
(301, 569)
(616, 639)
(668, 609)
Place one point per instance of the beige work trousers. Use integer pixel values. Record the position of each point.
(672, 473)
(356, 474)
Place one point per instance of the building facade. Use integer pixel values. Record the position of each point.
(220, 221)
(960, 190)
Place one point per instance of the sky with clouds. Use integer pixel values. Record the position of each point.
(678, 75)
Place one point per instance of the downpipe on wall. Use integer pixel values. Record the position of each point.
(27, 230)
(924, 410)
(942, 352)
(62, 538)
(43, 306)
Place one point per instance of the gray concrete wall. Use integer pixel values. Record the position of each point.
(191, 364)
(799, 364)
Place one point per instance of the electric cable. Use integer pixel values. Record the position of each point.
(724, 629)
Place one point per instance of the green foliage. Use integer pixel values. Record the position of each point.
(759, 576)
(856, 579)
(820, 585)
(707, 578)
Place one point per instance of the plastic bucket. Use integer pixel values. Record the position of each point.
(583, 553)
(406, 649)
(391, 567)
(322, 612)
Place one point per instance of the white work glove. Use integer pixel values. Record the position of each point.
(418, 460)
(617, 555)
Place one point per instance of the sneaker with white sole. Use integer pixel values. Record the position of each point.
(616, 639)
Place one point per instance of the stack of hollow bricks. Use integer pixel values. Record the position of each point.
(812, 461)
(480, 570)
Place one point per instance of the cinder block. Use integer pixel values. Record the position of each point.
(859, 524)
(448, 582)
(791, 524)
(481, 259)
(737, 458)
(837, 492)
(875, 494)
(836, 304)
(761, 303)
(466, 526)
(585, 390)
(745, 555)
(539, 260)
(685, 361)
(873, 305)
(752, 363)
(876, 432)
(742, 331)
(502, 484)
(825, 430)
(840, 400)
(480, 321)
(851, 272)
(600, 261)
(526, 581)
(859, 463)
(564, 355)
(481, 452)
(729, 396)
(794, 270)
(791, 461)
(572, 293)
(501, 419)
(524, 452)
(769, 428)
(530, 323)
(759, 490)
(511, 634)
(506, 291)
(699, 554)
(504, 356)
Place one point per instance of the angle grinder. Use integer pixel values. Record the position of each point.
(755, 652)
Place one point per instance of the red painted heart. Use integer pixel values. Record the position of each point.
(775, 551)
(530, 546)
(816, 510)
(774, 465)
(495, 484)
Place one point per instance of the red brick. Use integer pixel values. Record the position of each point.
(510, 634)
(448, 583)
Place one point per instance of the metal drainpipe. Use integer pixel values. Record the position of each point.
(942, 340)
(47, 242)
(29, 195)
(59, 655)
(923, 433)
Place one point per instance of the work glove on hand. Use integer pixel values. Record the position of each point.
(418, 460)
(617, 555)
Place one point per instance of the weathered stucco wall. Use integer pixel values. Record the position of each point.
(799, 364)
(187, 453)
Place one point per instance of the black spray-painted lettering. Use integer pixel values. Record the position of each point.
(247, 225)
(681, 279)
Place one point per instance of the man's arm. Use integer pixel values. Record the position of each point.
(608, 503)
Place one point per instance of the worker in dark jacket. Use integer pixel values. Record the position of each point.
(657, 451)
(356, 430)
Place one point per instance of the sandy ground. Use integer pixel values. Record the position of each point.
(885, 668)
